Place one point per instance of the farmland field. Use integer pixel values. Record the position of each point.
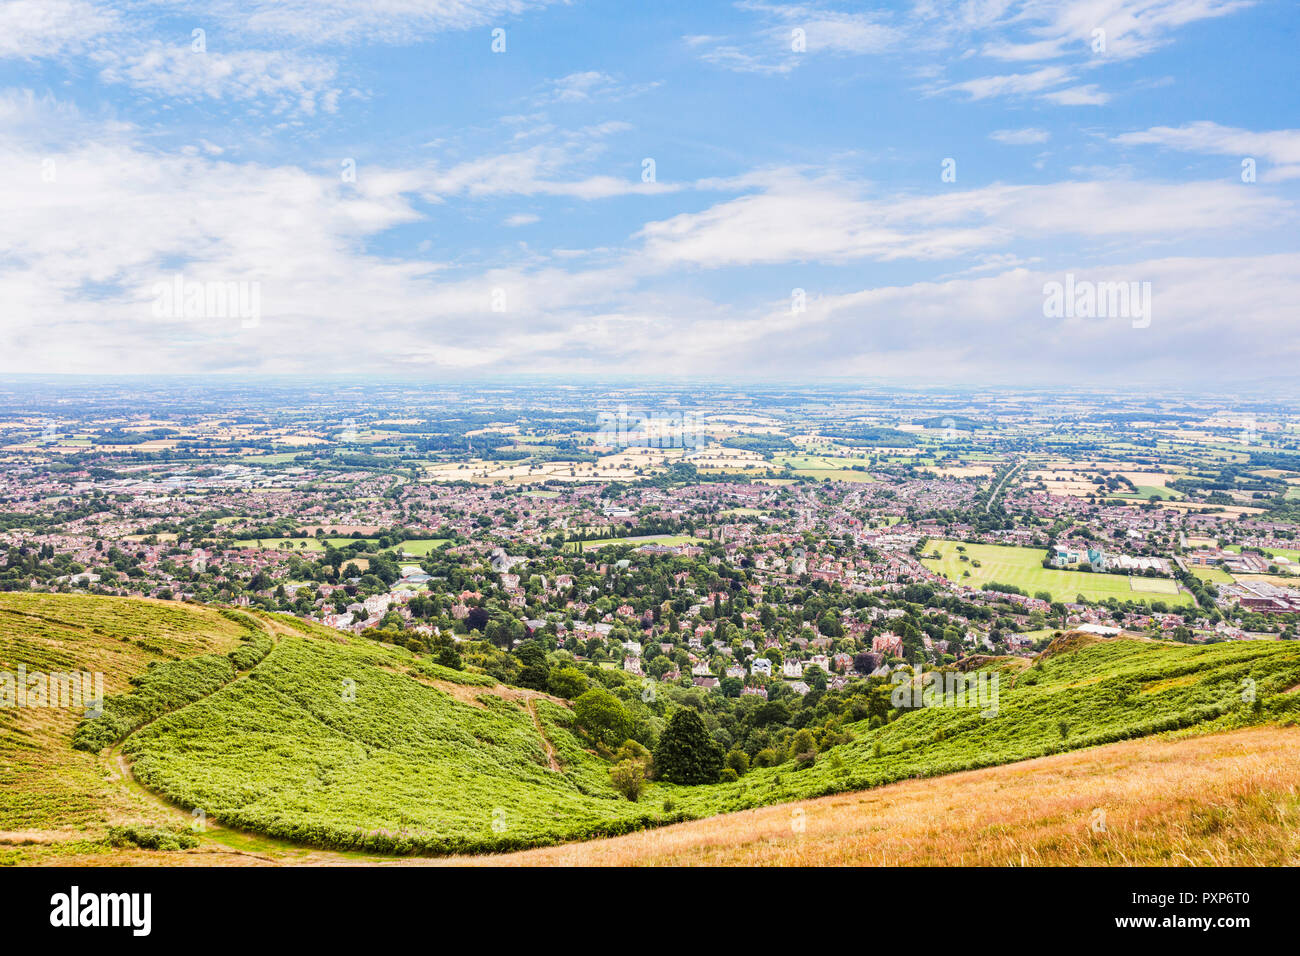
(1022, 568)
(821, 467)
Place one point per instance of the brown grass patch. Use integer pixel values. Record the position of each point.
(1225, 799)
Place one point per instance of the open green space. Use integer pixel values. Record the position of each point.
(1022, 568)
(1290, 554)
(416, 546)
(668, 540)
(1213, 575)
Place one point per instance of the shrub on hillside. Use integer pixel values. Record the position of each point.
(151, 838)
(738, 761)
(628, 778)
(163, 687)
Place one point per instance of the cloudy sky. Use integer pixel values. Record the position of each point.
(451, 189)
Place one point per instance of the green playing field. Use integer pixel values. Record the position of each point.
(1022, 568)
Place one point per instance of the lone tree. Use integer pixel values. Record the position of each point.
(603, 716)
(685, 752)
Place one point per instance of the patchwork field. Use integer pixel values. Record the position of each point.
(823, 467)
(1022, 568)
(625, 465)
(1076, 481)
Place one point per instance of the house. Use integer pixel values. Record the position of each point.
(887, 644)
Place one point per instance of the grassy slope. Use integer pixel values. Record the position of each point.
(411, 765)
(1227, 799)
(44, 783)
(408, 767)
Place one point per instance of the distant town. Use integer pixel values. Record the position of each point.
(786, 541)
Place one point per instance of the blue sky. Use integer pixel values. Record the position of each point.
(499, 221)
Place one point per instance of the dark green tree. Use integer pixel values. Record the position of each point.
(686, 753)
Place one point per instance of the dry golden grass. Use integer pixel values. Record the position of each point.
(1223, 799)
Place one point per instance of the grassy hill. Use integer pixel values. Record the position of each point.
(299, 733)
(45, 785)
(1228, 799)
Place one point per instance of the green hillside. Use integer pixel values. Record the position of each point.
(44, 783)
(343, 743)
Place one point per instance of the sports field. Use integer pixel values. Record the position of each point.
(1213, 575)
(1022, 568)
(1289, 553)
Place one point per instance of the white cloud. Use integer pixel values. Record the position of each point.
(31, 29)
(992, 329)
(829, 221)
(85, 250)
(1012, 84)
(1086, 32)
(792, 33)
(591, 85)
(1277, 146)
(1020, 137)
(392, 21)
(1035, 30)
(286, 80)
(1087, 95)
(130, 42)
(547, 169)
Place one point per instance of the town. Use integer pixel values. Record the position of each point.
(782, 546)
